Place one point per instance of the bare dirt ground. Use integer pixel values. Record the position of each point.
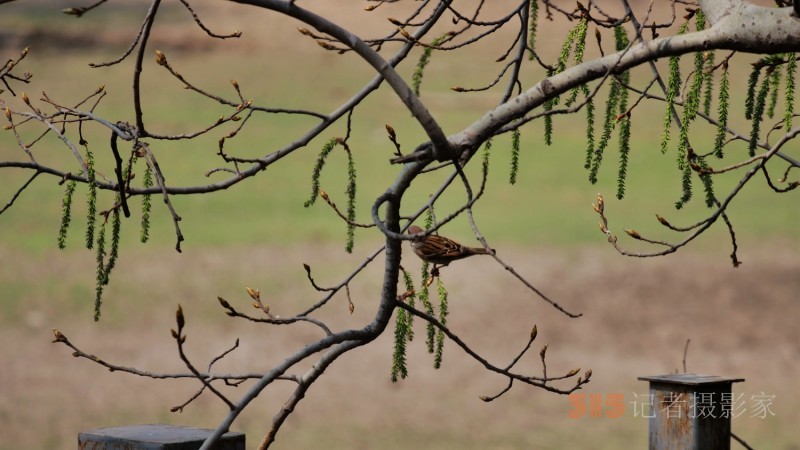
(637, 315)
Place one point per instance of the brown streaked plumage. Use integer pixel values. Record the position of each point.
(440, 250)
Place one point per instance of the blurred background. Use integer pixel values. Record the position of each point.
(637, 313)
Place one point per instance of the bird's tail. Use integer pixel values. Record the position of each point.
(480, 251)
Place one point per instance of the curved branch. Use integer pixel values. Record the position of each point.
(137, 73)
(540, 382)
(441, 147)
(769, 27)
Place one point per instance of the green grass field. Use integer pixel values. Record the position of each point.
(551, 201)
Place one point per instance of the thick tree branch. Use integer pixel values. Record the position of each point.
(432, 129)
(770, 28)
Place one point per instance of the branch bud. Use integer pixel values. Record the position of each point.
(663, 221)
(255, 294)
(394, 21)
(485, 398)
(235, 84)
(325, 45)
(573, 372)
(59, 337)
(534, 332)
(390, 130)
(587, 374)
(179, 318)
(26, 99)
(8, 113)
(633, 233)
(304, 31)
(160, 58)
(543, 351)
(323, 194)
(224, 303)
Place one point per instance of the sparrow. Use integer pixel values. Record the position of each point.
(439, 250)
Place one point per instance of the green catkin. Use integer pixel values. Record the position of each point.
(580, 49)
(351, 202)
(514, 156)
(91, 213)
(621, 38)
(533, 20)
(437, 362)
(116, 223)
(66, 214)
(722, 110)
(399, 367)
(100, 248)
(758, 114)
(566, 49)
(548, 118)
(791, 66)
(673, 87)
(774, 88)
(624, 152)
(686, 184)
(690, 108)
(487, 147)
(424, 59)
(424, 298)
(608, 127)
(750, 99)
(326, 150)
(589, 126)
(409, 317)
(424, 294)
(144, 234)
(708, 184)
(708, 77)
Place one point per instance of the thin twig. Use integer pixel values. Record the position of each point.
(19, 191)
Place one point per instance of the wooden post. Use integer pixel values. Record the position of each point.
(155, 437)
(690, 412)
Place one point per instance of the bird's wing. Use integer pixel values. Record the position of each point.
(443, 247)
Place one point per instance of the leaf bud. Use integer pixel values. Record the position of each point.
(255, 294)
(633, 233)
